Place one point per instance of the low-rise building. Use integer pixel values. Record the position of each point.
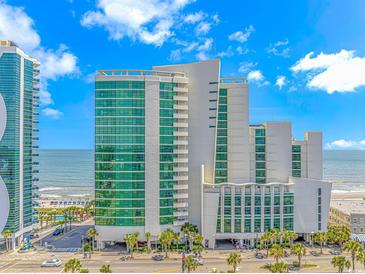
(350, 213)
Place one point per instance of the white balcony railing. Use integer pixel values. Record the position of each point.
(181, 98)
(183, 125)
(181, 186)
(180, 142)
(181, 89)
(181, 169)
(181, 107)
(181, 213)
(181, 116)
(181, 178)
(180, 151)
(180, 195)
(181, 160)
(181, 133)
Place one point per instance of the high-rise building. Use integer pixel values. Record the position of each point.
(174, 144)
(18, 118)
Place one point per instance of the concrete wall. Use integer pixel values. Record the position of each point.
(152, 157)
(238, 133)
(306, 204)
(314, 154)
(278, 151)
(203, 77)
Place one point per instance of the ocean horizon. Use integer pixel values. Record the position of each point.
(69, 173)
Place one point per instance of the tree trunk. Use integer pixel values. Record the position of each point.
(353, 262)
(299, 261)
(321, 247)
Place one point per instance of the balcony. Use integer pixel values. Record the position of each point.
(35, 196)
(181, 125)
(181, 186)
(181, 107)
(181, 169)
(181, 89)
(35, 188)
(180, 195)
(180, 142)
(181, 160)
(35, 180)
(181, 151)
(181, 116)
(35, 90)
(181, 213)
(180, 79)
(180, 222)
(181, 178)
(181, 98)
(181, 205)
(35, 203)
(35, 81)
(181, 133)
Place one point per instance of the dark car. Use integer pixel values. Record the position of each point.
(158, 257)
(58, 231)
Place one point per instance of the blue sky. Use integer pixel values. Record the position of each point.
(304, 60)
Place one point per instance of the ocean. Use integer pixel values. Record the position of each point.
(70, 173)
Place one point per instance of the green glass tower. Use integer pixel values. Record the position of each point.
(18, 104)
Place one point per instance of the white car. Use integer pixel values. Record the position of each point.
(52, 263)
(199, 261)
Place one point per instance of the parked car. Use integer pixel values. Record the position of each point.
(315, 253)
(198, 261)
(58, 231)
(52, 263)
(259, 255)
(158, 257)
(126, 258)
(335, 252)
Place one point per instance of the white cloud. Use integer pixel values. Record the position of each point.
(241, 36)
(215, 18)
(17, 26)
(175, 55)
(194, 18)
(255, 76)
(202, 50)
(52, 113)
(246, 66)
(346, 145)
(203, 28)
(279, 48)
(280, 81)
(338, 72)
(56, 63)
(227, 53)
(240, 50)
(149, 21)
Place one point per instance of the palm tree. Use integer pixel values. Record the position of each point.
(277, 251)
(279, 268)
(87, 250)
(321, 238)
(289, 236)
(72, 265)
(341, 263)
(131, 241)
(275, 235)
(148, 236)
(339, 234)
(105, 268)
(299, 250)
(92, 233)
(353, 247)
(6, 235)
(166, 239)
(198, 241)
(233, 260)
(190, 263)
(189, 231)
(361, 257)
(265, 239)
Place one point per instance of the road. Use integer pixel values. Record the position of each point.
(30, 262)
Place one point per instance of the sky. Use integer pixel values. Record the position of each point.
(304, 60)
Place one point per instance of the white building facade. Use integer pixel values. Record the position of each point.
(210, 168)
